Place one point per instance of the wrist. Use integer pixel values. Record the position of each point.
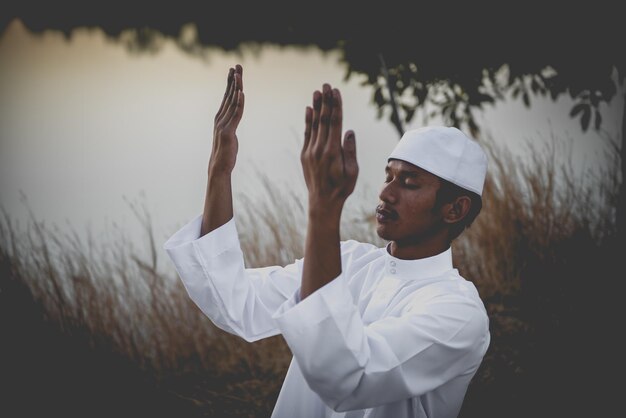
(215, 172)
(218, 182)
(327, 211)
(221, 164)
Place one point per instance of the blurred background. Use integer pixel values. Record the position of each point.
(105, 133)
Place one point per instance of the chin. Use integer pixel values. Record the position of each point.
(384, 233)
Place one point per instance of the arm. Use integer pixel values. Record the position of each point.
(351, 365)
(330, 173)
(207, 254)
(218, 203)
(236, 299)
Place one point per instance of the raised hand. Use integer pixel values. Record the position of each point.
(330, 167)
(330, 171)
(225, 142)
(218, 203)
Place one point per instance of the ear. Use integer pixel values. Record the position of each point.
(455, 211)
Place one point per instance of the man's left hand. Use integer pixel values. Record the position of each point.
(330, 167)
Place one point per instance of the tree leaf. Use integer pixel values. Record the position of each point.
(486, 98)
(577, 109)
(534, 85)
(378, 97)
(554, 94)
(584, 121)
(409, 115)
(472, 124)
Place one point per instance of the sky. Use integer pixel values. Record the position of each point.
(86, 126)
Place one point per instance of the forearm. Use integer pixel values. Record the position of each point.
(322, 253)
(214, 275)
(218, 203)
(330, 172)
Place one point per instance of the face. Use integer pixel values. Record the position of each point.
(405, 213)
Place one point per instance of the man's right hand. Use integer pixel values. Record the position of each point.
(218, 203)
(225, 143)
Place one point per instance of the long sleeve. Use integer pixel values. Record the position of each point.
(351, 365)
(238, 300)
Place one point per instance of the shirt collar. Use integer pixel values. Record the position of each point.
(418, 269)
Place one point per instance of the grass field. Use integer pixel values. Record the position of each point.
(89, 328)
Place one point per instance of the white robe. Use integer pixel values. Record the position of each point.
(387, 338)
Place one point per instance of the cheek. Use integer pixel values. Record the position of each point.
(420, 206)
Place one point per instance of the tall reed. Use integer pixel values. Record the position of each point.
(538, 253)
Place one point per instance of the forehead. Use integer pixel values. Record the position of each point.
(399, 167)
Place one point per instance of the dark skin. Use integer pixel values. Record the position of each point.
(218, 204)
(405, 215)
(330, 172)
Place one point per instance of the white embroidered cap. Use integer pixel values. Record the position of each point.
(445, 152)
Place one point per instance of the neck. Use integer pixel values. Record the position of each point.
(406, 250)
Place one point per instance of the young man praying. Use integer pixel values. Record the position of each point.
(387, 332)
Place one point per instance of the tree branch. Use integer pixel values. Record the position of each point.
(395, 115)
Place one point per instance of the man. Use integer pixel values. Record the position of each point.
(375, 332)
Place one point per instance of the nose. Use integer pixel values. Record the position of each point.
(387, 194)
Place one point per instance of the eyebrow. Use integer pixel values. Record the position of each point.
(405, 173)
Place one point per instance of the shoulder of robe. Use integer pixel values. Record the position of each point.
(356, 249)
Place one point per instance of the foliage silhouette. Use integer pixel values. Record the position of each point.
(449, 61)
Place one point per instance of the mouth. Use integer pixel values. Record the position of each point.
(384, 214)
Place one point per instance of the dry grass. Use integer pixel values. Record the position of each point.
(529, 207)
(77, 309)
(543, 256)
(121, 309)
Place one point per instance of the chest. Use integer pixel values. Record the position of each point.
(393, 296)
(379, 290)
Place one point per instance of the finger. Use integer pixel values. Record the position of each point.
(229, 84)
(232, 100)
(327, 103)
(239, 70)
(350, 165)
(237, 111)
(335, 128)
(317, 105)
(229, 97)
(235, 87)
(308, 116)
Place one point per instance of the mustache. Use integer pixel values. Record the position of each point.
(387, 211)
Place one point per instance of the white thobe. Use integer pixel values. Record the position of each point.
(386, 338)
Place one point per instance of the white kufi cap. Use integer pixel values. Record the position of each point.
(445, 152)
